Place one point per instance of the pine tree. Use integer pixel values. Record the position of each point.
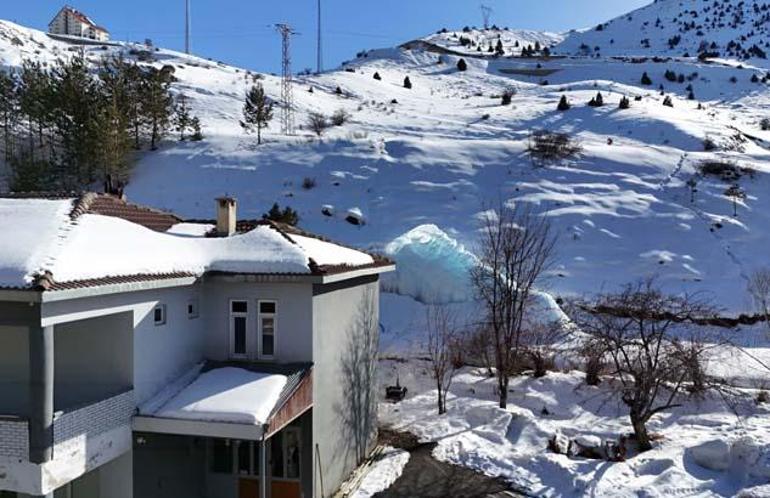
(377, 76)
(287, 215)
(646, 79)
(499, 49)
(182, 117)
(625, 103)
(114, 140)
(195, 125)
(563, 104)
(257, 111)
(157, 103)
(8, 112)
(407, 83)
(462, 65)
(35, 94)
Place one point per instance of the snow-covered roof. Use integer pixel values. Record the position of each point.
(61, 241)
(229, 394)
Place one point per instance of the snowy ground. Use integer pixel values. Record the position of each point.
(512, 443)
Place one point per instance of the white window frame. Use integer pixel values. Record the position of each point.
(231, 316)
(274, 316)
(162, 308)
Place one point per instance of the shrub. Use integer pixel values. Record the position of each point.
(668, 102)
(646, 79)
(624, 103)
(597, 101)
(308, 183)
(671, 76)
(317, 123)
(763, 397)
(340, 117)
(462, 65)
(547, 146)
(338, 91)
(508, 95)
(765, 124)
(709, 144)
(563, 104)
(377, 76)
(724, 170)
(407, 83)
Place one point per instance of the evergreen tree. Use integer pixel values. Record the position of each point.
(462, 65)
(182, 117)
(287, 215)
(257, 111)
(8, 112)
(646, 79)
(157, 103)
(377, 76)
(499, 49)
(407, 83)
(625, 103)
(77, 101)
(114, 140)
(563, 104)
(35, 94)
(195, 125)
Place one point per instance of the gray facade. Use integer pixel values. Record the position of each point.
(108, 354)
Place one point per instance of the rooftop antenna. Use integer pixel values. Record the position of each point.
(319, 61)
(486, 12)
(187, 26)
(287, 99)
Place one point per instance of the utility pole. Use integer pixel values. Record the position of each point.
(287, 98)
(486, 12)
(187, 26)
(319, 62)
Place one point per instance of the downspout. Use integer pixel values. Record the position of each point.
(263, 462)
(41, 379)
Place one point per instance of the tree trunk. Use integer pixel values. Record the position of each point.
(502, 385)
(259, 134)
(642, 437)
(441, 400)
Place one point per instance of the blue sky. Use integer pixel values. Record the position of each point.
(239, 32)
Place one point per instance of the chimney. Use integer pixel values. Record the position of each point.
(226, 216)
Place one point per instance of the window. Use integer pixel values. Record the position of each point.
(267, 329)
(221, 457)
(159, 314)
(239, 314)
(192, 309)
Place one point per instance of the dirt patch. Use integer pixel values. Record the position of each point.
(426, 477)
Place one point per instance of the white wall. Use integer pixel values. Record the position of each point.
(160, 353)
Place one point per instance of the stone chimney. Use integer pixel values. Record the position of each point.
(226, 216)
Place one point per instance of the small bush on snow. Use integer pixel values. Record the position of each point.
(508, 95)
(308, 183)
(547, 146)
(340, 117)
(462, 65)
(765, 124)
(563, 104)
(624, 103)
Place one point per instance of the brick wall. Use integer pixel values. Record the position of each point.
(94, 419)
(14, 438)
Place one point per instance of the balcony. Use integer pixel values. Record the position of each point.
(84, 437)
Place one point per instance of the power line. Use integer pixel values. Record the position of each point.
(287, 98)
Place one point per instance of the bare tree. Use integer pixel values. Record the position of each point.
(653, 344)
(441, 343)
(515, 248)
(759, 288)
(317, 123)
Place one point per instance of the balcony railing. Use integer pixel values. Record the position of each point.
(70, 427)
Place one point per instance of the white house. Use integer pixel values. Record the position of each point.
(72, 22)
(145, 356)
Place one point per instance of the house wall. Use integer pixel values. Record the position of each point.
(293, 341)
(14, 370)
(169, 466)
(160, 353)
(93, 359)
(345, 339)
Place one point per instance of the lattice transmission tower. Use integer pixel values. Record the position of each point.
(486, 13)
(287, 97)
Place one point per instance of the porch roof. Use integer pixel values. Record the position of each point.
(230, 400)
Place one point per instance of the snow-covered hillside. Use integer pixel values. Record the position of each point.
(484, 41)
(438, 152)
(734, 29)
